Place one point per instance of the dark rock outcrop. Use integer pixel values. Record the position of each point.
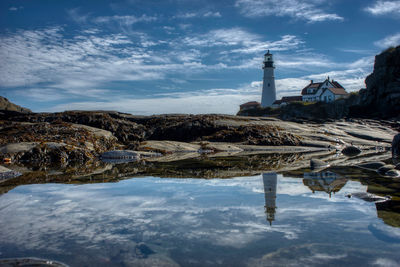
(351, 151)
(6, 105)
(57, 142)
(396, 146)
(383, 85)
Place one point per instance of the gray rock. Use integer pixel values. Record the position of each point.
(369, 197)
(316, 164)
(384, 169)
(351, 151)
(372, 165)
(392, 173)
(6, 174)
(396, 146)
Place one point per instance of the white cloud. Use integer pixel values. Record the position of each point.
(212, 14)
(224, 101)
(76, 15)
(242, 41)
(307, 10)
(384, 8)
(391, 40)
(13, 8)
(199, 14)
(124, 20)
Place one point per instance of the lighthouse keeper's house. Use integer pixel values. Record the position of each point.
(326, 91)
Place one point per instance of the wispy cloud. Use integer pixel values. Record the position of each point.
(241, 41)
(15, 8)
(199, 14)
(391, 40)
(307, 10)
(384, 8)
(124, 20)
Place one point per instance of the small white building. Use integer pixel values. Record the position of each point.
(326, 91)
(250, 105)
(286, 100)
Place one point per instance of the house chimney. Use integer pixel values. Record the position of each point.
(311, 81)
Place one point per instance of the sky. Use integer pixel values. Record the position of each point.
(183, 56)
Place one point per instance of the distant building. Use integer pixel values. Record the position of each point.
(286, 100)
(250, 105)
(326, 91)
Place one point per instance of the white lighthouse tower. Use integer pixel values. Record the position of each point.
(270, 181)
(269, 91)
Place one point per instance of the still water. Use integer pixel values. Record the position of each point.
(264, 220)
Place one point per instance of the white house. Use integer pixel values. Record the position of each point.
(326, 91)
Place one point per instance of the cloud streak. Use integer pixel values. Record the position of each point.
(307, 10)
(380, 8)
(391, 40)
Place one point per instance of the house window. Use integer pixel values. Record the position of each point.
(325, 98)
(268, 84)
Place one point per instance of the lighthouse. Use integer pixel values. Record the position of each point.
(268, 91)
(270, 181)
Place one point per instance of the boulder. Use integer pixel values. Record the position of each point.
(351, 151)
(369, 197)
(396, 146)
(392, 173)
(384, 169)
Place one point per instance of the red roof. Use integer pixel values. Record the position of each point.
(249, 104)
(338, 91)
(335, 84)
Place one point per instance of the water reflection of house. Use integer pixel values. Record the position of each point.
(270, 182)
(328, 182)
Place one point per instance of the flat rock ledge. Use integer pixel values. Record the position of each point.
(6, 174)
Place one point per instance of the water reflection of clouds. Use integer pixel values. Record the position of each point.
(93, 215)
(52, 217)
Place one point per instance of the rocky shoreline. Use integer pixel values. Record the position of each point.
(82, 137)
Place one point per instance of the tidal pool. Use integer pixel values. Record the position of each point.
(264, 220)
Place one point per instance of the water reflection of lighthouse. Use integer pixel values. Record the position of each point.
(270, 182)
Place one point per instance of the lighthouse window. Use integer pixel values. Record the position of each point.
(268, 85)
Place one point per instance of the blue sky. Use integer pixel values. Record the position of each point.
(183, 56)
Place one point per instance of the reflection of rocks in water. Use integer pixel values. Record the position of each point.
(270, 181)
(30, 262)
(328, 182)
(389, 212)
(368, 197)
